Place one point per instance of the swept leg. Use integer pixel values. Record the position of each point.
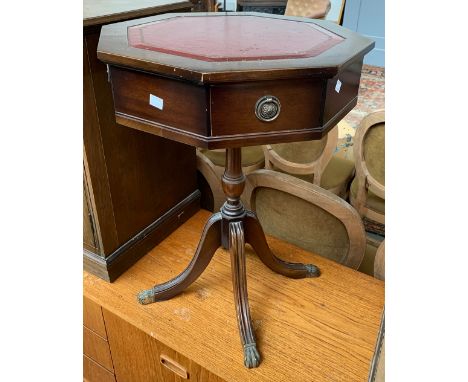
(209, 243)
(239, 281)
(255, 236)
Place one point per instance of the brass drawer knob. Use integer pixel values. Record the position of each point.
(267, 108)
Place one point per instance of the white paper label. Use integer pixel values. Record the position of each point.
(338, 86)
(156, 102)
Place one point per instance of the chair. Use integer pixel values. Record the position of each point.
(367, 192)
(379, 262)
(210, 163)
(313, 161)
(306, 215)
(314, 9)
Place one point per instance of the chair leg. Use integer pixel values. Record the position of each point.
(239, 281)
(209, 243)
(255, 236)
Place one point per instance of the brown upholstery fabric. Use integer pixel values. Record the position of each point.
(299, 222)
(374, 152)
(379, 265)
(301, 152)
(250, 155)
(373, 201)
(314, 9)
(337, 172)
(367, 265)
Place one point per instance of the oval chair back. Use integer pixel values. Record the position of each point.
(302, 158)
(306, 215)
(368, 188)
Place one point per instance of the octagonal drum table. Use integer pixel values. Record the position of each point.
(227, 80)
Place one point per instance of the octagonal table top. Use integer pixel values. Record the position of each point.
(224, 47)
(222, 39)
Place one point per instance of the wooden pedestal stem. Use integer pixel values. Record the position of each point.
(232, 228)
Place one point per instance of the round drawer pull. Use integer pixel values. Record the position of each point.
(267, 108)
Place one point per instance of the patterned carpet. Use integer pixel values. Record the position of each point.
(371, 97)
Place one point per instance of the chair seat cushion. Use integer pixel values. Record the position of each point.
(373, 201)
(250, 156)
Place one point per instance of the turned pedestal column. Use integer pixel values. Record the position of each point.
(231, 228)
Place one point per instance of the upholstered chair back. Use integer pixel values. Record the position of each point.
(367, 193)
(314, 9)
(306, 215)
(301, 152)
(374, 151)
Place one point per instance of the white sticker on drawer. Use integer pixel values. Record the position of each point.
(338, 86)
(156, 102)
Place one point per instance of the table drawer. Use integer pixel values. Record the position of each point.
(97, 348)
(233, 106)
(175, 104)
(93, 372)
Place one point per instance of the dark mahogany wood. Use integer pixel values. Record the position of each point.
(184, 106)
(207, 246)
(227, 81)
(211, 69)
(137, 187)
(300, 107)
(231, 228)
(114, 49)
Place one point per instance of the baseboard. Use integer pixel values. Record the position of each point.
(112, 266)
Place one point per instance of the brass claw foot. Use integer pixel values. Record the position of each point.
(251, 356)
(312, 270)
(146, 296)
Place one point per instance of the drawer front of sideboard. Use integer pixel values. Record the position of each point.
(151, 360)
(168, 102)
(92, 317)
(93, 372)
(233, 106)
(97, 348)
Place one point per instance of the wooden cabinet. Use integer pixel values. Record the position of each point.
(317, 329)
(150, 360)
(97, 359)
(137, 187)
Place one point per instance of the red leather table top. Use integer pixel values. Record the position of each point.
(220, 39)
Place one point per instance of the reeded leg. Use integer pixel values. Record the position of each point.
(239, 281)
(255, 236)
(209, 243)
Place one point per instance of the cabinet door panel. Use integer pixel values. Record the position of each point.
(138, 357)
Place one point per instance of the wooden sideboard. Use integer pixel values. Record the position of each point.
(137, 187)
(318, 329)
